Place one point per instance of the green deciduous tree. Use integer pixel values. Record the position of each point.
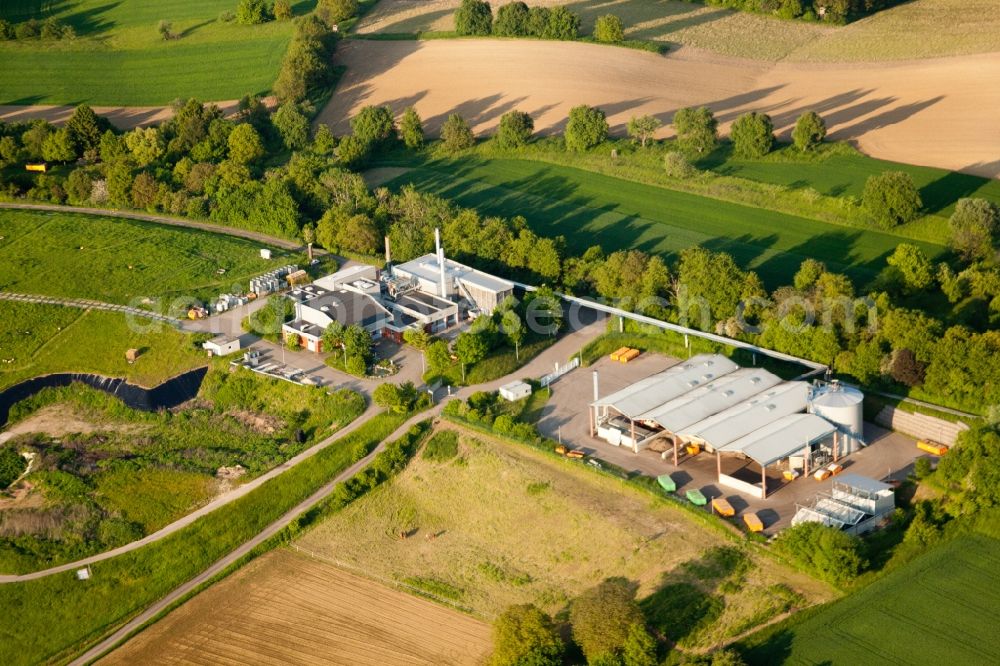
(456, 134)
(587, 127)
(639, 648)
(809, 132)
(251, 12)
(525, 636)
(891, 198)
(411, 129)
(516, 128)
(562, 24)
(915, 269)
(642, 128)
(145, 145)
(752, 135)
(374, 125)
(470, 348)
(245, 145)
(11, 466)
(473, 17)
(292, 125)
(511, 20)
(974, 228)
(85, 128)
(282, 10)
(602, 617)
(352, 151)
(335, 11)
(398, 398)
(608, 28)
(826, 552)
(324, 143)
(696, 129)
(59, 147)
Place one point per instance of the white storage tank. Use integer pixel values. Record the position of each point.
(842, 406)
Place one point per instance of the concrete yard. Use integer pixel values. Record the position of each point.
(889, 455)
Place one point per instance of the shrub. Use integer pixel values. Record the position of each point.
(696, 130)
(252, 12)
(443, 446)
(974, 226)
(602, 617)
(516, 128)
(292, 125)
(473, 17)
(922, 468)
(335, 11)
(642, 128)
(525, 635)
(587, 127)
(678, 166)
(609, 29)
(11, 466)
(562, 24)
(825, 552)
(352, 151)
(752, 135)
(374, 125)
(456, 134)
(891, 198)
(511, 20)
(282, 10)
(411, 129)
(809, 132)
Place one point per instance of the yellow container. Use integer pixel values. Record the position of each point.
(932, 447)
(617, 354)
(723, 507)
(753, 523)
(692, 449)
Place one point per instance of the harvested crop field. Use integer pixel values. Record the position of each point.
(915, 29)
(929, 112)
(289, 608)
(498, 524)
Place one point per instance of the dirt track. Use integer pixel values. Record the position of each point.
(937, 112)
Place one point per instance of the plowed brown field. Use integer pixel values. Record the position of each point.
(287, 608)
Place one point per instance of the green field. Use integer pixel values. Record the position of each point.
(44, 339)
(123, 261)
(595, 209)
(942, 608)
(118, 57)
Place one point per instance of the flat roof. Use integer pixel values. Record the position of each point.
(740, 420)
(779, 439)
(348, 307)
(864, 483)
(423, 303)
(677, 380)
(427, 268)
(349, 274)
(708, 399)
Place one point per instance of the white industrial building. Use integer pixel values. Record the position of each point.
(746, 415)
(855, 504)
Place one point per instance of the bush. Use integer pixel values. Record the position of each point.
(974, 227)
(252, 12)
(282, 10)
(12, 465)
(696, 130)
(891, 198)
(752, 135)
(374, 125)
(335, 11)
(443, 446)
(562, 24)
(609, 29)
(678, 166)
(456, 134)
(411, 129)
(474, 17)
(525, 635)
(352, 152)
(922, 468)
(512, 20)
(292, 125)
(516, 128)
(587, 127)
(602, 617)
(809, 132)
(825, 552)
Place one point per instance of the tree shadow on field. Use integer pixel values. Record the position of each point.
(480, 113)
(836, 249)
(90, 21)
(948, 189)
(667, 16)
(198, 26)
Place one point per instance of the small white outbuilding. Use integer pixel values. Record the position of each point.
(222, 346)
(515, 390)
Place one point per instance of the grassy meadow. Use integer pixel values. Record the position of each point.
(119, 58)
(489, 525)
(44, 339)
(124, 261)
(940, 608)
(616, 210)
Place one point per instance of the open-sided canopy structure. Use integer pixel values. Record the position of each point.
(780, 439)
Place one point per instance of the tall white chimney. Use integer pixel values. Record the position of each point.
(441, 267)
(596, 396)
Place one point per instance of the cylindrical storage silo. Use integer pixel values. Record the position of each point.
(842, 406)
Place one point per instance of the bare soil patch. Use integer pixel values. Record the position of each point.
(935, 112)
(287, 608)
(59, 421)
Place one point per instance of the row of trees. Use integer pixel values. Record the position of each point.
(49, 29)
(308, 63)
(516, 19)
(830, 11)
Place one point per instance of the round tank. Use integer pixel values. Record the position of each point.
(840, 405)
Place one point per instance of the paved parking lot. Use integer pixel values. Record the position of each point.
(888, 454)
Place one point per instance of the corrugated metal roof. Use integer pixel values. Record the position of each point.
(711, 398)
(655, 390)
(781, 438)
(427, 268)
(742, 419)
(862, 483)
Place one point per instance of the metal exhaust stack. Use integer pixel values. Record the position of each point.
(440, 259)
(596, 396)
(388, 253)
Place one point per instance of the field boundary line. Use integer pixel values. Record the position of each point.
(86, 304)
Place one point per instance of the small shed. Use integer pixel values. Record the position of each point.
(515, 390)
(222, 346)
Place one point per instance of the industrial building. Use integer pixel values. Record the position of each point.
(748, 417)
(429, 293)
(855, 504)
